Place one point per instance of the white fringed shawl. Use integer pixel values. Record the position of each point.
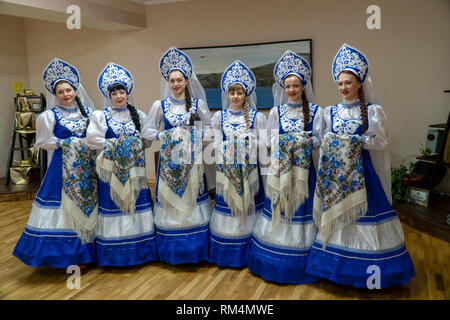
(79, 191)
(287, 180)
(237, 179)
(340, 194)
(180, 170)
(122, 164)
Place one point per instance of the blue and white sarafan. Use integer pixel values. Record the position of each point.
(58, 70)
(350, 59)
(114, 73)
(291, 63)
(175, 59)
(238, 72)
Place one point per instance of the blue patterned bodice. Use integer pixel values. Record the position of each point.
(342, 126)
(287, 125)
(65, 128)
(116, 128)
(171, 119)
(234, 129)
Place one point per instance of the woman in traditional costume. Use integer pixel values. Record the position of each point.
(284, 232)
(360, 240)
(125, 231)
(239, 187)
(178, 120)
(61, 229)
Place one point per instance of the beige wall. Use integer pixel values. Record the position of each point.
(409, 56)
(13, 67)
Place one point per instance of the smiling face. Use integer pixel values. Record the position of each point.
(65, 94)
(348, 86)
(236, 95)
(177, 83)
(119, 98)
(293, 87)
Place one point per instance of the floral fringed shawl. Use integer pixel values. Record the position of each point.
(122, 165)
(237, 178)
(79, 191)
(340, 194)
(180, 170)
(287, 180)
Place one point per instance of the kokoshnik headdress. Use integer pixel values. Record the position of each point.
(58, 70)
(291, 63)
(350, 59)
(238, 72)
(111, 74)
(175, 59)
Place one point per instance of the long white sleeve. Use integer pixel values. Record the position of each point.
(45, 125)
(142, 120)
(96, 131)
(375, 138)
(210, 168)
(215, 131)
(273, 126)
(260, 125)
(317, 128)
(152, 124)
(216, 120)
(204, 114)
(327, 120)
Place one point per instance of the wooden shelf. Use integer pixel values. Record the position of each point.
(27, 135)
(439, 126)
(25, 131)
(433, 159)
(432, 220)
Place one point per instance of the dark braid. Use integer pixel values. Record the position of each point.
(192, 117)
(305, 111)
(363, 109)
(82, 110)
(246, 115)
(134, 116)
(187, 95)
(81, 107)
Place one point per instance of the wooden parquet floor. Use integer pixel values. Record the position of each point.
(157, 280)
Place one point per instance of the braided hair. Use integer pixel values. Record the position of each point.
(192, 117)
(363, 109)
(133, 111)
(77, 100)
(246, 115)
(305, 111)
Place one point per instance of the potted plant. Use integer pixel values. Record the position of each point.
(424, 151)
(410, 178)
(402, 177)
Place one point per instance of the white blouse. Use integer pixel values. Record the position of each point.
(155, 117)
(375, 137)
(295, 113)
(96, 131)
(259, 126)
(45, 125)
